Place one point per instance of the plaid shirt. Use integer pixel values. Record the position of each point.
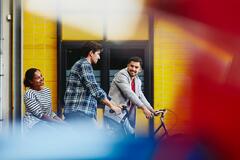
(82, 92)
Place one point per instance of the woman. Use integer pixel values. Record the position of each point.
(38, 102)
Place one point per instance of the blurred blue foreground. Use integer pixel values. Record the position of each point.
(77, 143)
(86, 142)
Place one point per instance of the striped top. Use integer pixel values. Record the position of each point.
(37, 103)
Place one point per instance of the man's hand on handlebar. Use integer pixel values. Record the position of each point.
(157, 112)
(154, 112)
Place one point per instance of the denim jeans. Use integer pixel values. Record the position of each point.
(80, 119)
(119, 129)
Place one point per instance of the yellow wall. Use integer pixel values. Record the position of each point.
(170, 71)
(40, 49)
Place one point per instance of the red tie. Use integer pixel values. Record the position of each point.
(133, 89)
(133, 84)
(132, 111)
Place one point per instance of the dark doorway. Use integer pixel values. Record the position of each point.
(114, 57)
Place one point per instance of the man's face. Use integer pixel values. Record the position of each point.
(95, 56)
(133, 68)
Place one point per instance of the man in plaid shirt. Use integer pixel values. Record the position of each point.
(82, 91)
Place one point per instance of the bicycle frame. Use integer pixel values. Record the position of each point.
(162, 125)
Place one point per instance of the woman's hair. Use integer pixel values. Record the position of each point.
(29, 76)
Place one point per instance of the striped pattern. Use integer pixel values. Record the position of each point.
(38, 103)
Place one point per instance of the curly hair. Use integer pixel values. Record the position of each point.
(29, 76)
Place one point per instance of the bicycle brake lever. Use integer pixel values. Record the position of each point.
(162, 111)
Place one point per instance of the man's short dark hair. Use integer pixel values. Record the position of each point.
(90, 46)
(135, 59)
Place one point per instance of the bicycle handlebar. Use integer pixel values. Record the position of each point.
(160, 112)
(163, 111)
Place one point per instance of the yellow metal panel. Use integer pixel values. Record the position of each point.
(142, 124)
(50, 54)
(50, 29)
(100, 116)
(170, 69)
(28, 54)
(51, 43)
(39, 49)
(54, 104)
(28, 42)
(50, 73)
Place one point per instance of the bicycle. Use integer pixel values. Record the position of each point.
(122, 119)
